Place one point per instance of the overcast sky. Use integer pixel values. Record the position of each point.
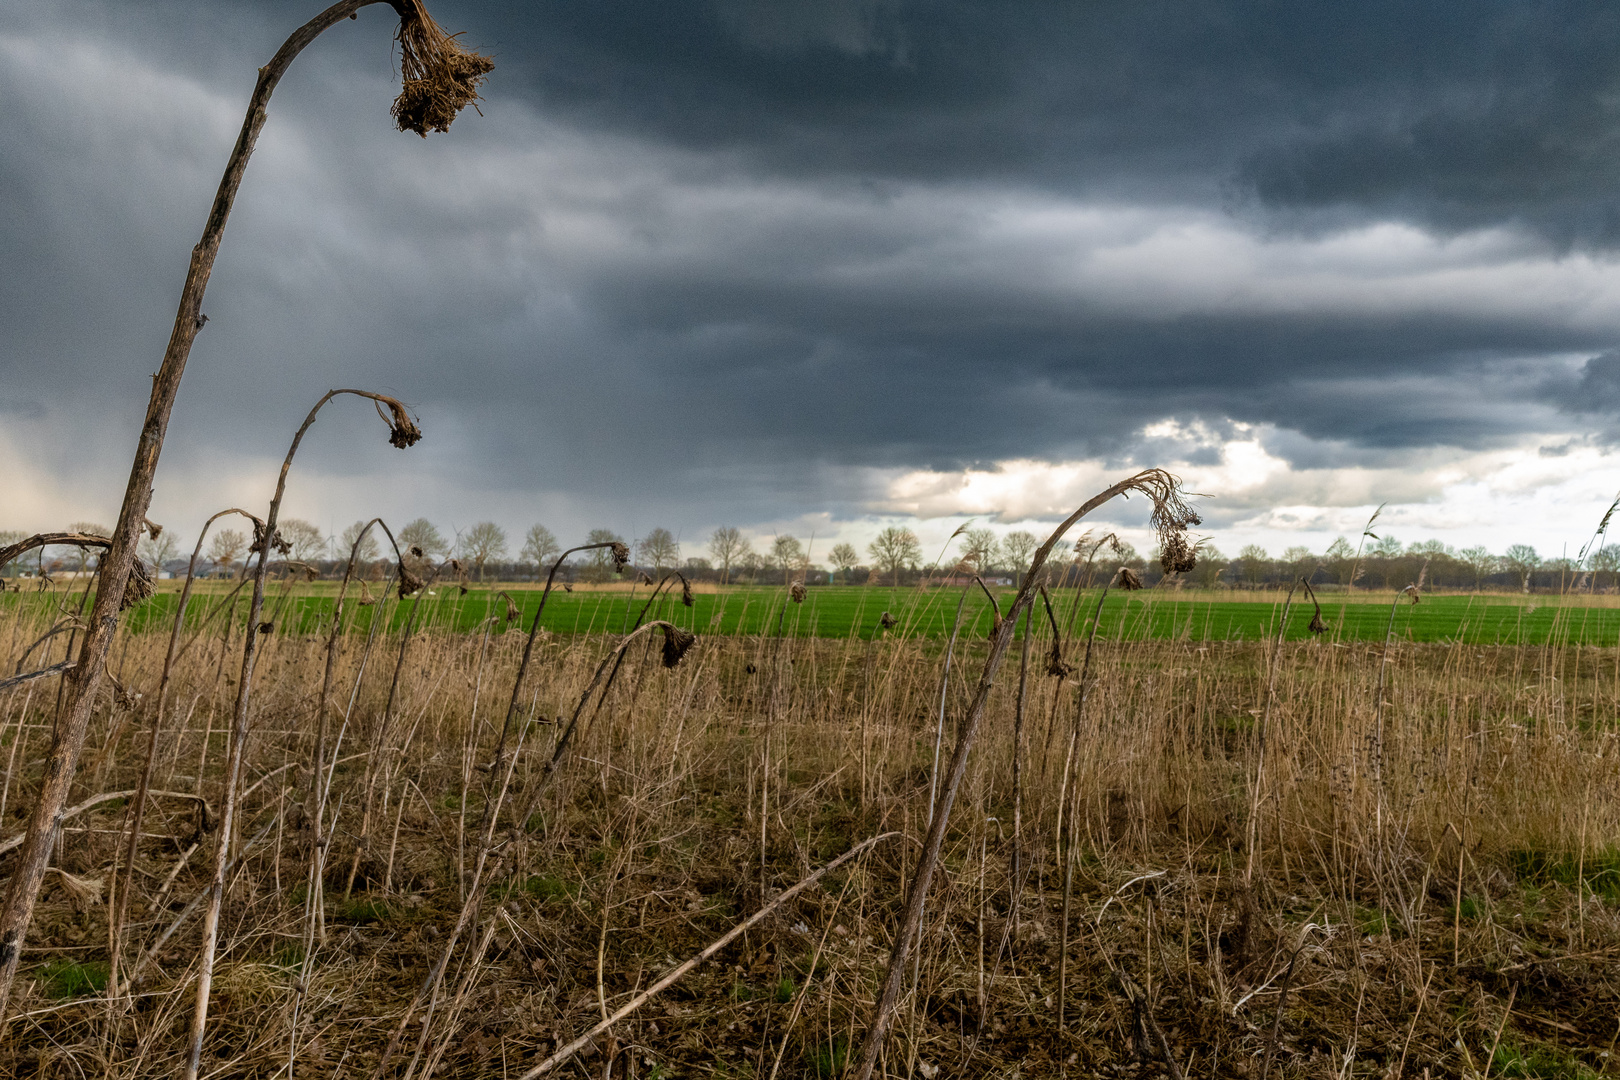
(806, 266)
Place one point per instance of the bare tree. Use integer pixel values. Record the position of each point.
(845, 558)
(658, 549)
(307, 542)
(424, 536)
(728, 545)
(1253, 557)
(159, 549)
(481, 543)
(1605, 559)
(981, 548)
(226, 547)
(895, 549)
(1522, 560)
(599, 563)
(539, 548)
(1301, 563)
(368, 547)
(787, 553)
(1480, 561)
(1342, 558)
(1017, 548)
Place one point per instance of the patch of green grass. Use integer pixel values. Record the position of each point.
(1538, 1063)
(1469, 908)
(828, 1058)
(65, 978)
(784, 990)
(1372, 921)
(541, 887)
(740, 991)
(287, 956)
(546, 887)
(837, 611)
(1599, 870)
(363, 909)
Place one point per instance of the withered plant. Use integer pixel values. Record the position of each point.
(402, 432)
(1170, 515)
(441, 78)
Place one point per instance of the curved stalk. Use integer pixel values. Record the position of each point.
(403, 432)
(84, 680)
(534, 633)
(1170, 516)
(118, 901)
(1065, 809)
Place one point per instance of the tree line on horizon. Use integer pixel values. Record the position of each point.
(895, 556)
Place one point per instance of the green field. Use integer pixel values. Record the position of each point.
(840, 611)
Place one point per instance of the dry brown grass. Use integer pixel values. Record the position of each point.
(646, 845)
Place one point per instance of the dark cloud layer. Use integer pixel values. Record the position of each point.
(1458, 116)
(685, 258)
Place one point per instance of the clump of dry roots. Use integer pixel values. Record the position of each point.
(441, 78)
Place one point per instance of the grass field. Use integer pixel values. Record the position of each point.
(843, 611)
(693, 795)
(1427, 835)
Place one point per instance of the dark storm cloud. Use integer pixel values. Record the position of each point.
(684, 257)
(1455, 115)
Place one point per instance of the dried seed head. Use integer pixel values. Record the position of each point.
(567, 587)
(416, 552)
(995, 623)
(408, 582)
(887, 621)
(139, 586)
(1412, 591)
(1177, 556)
(621, 556)
(676, 643)
(1129, 579)
(402, 429)
(797, 592)
(750, 668)
(366, 599)
(266, 627)
(1171, 516)
(455, 566)
(1055, 666)
(440, 77)
(1317, 625)
(643, 578)
(686, 592)
(464, 589)
(277, 542)
(512, 612)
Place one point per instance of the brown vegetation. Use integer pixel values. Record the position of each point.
(1398, 892)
